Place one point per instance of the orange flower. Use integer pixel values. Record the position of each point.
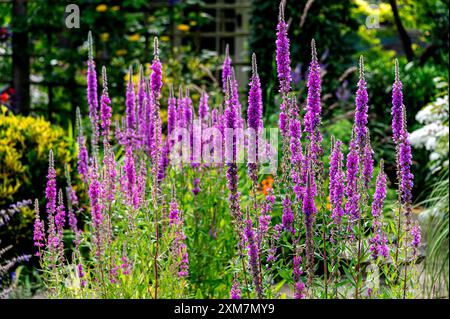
(267, 184)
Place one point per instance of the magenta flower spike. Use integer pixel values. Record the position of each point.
(92, 97)
(39, 230)
(254, 117)
(50, 190)
(235, 292)
(336, 186)
(351, 190)
(226, 69)
(379, 241)
(282, 53)
(171, 112)
(156, 76)
(313, 107)
(361, 101)
(105, 106)
(397, 106)
(130, 104)
(83, 157)
(203, 108)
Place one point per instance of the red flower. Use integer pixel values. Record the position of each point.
(4, 97)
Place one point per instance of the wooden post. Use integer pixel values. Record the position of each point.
(20, 58)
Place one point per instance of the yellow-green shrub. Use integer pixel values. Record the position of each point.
(25, 142)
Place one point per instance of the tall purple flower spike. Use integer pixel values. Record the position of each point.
(282, 54)
(171, 112)
(362, 107)
(352, 206)
(378, 242)
(92, 97)
(397, 106)
(226, 69)
(105, 106)
(254, 117)
(156, 76)
(203, 107)
(313, 107)
(336, 183)
(130, 104)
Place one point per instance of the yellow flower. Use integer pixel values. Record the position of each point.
(134, 37)
(121, 52)
(164, 38)
(115, 8)
(183, 27)
(193, 23)
(101, 8)
(104, 37)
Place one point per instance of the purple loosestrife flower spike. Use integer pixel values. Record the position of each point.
(105, 106)
(130, 104)
(255, 106)
(94, 198)
(397, 106)
(351, 206)
(299, 286)
(235, 292)
(60, 217)
(141, 93)
(254, 116)
(181, 121)
(171, 112)
(310, 210)
(361, 107)
(336, 183)
(130, 172)
(188, 110)
(406, 177)
(235, 97)
(39, 231)
(92, 97)
(50, 190)
(232, 170)
(313, 107)
(156, 76)
(253, 255)
(203, 107)
(378, 242)
(226, 68)
(142, 105)
(288, 215)
(416, 238)
(83, 157)
(282, 54)
(367, 163)
(174, 212)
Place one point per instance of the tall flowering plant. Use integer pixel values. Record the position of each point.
(166, 204)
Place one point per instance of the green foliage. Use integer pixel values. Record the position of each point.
(436, 221)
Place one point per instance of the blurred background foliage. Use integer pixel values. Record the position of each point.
(193, 35)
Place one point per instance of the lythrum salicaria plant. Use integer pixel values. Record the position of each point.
(176, 210)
